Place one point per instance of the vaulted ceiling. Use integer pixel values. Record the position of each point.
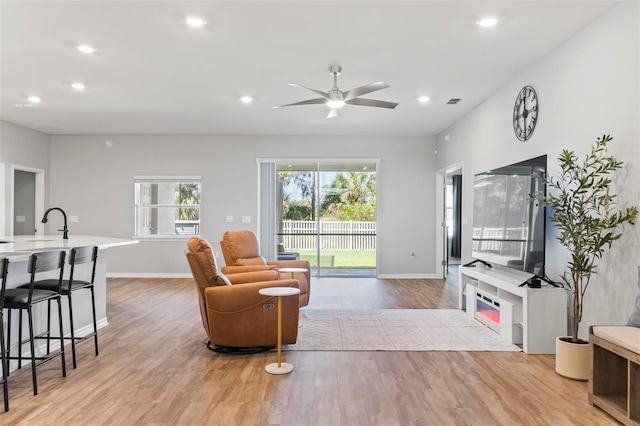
(153, 74)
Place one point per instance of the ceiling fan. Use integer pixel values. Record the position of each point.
(336, 99)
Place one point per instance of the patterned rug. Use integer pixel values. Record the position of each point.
(395, 330)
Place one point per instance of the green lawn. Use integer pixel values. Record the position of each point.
(340, 258)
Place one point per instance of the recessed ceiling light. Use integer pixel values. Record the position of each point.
(85, 48)
(78, 86)
(246, 99)
(423, 99)
(195, 22)
(487, 21)
(34, 99)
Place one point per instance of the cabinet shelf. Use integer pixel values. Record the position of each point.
(538, 314)
(614, 385)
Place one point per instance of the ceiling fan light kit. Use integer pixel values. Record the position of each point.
(336, 99)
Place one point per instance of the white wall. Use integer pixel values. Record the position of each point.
(22, 147)
(95, 183)
(588, 87)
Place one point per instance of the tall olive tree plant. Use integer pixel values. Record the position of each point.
(584, 209)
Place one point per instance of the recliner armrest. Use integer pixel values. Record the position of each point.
(227, 270)
(255, 276)
(237, 298)
(293, 264)
(290, 263)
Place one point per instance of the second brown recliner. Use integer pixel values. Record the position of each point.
(242, 253)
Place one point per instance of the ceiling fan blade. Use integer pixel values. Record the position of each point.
(363, 90)
(372, 103)
(325, 94)
(316, 101)
(332, 113)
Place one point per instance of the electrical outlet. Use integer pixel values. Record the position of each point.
(73, 219)
(229, 218)
(217, 254)
(246, 219)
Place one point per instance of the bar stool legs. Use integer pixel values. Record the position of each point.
(66, 287)
(93, 334)
(23, 298)
(32, 348)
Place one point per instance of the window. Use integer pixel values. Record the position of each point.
(167, 206)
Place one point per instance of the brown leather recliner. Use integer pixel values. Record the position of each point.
(241, 251)
(233, 313)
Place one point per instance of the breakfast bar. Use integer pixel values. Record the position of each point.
(18, 249)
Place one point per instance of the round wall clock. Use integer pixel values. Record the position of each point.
(525, 113)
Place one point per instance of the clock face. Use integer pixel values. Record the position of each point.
(525, 113)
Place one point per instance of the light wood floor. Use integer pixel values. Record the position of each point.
(154, 369)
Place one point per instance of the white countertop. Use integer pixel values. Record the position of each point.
(15, 247)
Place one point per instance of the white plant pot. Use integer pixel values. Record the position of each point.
(572, 359)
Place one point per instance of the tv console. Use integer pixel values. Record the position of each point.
(533, 317)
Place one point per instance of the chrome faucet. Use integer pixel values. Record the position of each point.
(65, 230)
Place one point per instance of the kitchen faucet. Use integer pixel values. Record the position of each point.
(65, 230)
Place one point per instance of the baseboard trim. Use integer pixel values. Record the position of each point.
(407, 276)
(148, 275)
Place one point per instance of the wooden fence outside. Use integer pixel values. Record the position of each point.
(334, 235)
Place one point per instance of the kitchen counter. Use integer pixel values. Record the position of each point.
(18, 249)
(21, 246)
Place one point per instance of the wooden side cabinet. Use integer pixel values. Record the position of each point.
(614, 385)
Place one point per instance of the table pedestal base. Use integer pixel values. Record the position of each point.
(285, 368)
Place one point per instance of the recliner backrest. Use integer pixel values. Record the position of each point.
(241, 248)
(204, 270)
(200, 251)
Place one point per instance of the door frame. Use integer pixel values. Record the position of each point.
(440, 231)
(318, 162)
(39, 204)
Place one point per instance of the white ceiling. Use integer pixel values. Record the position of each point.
(154, 75)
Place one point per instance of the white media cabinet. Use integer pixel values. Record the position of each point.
(533, 317)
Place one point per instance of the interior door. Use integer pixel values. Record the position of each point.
(445, 229)
(24, 199)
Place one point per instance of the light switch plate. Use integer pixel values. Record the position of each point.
(21, 219)
(73, 218)
(229, 218)
(246, 219)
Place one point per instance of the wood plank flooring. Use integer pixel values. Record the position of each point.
(154, 369)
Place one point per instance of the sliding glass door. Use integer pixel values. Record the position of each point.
(328, 216)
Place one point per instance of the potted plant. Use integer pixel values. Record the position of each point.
(584, 209)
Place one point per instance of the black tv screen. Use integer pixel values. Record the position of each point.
(508, 223)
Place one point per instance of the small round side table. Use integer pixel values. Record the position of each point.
(279, 367)
(292, 270)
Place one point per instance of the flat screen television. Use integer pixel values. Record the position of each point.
(508, 224)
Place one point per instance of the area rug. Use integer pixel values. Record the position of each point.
(395, 330)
